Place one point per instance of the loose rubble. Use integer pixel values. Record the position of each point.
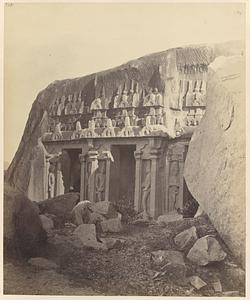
(138, 260)
(197, 282)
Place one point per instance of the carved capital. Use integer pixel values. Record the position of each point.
(93, 155)
(155, 153)
(82, 158)
(138, 154)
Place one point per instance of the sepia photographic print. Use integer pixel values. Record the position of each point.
(124, 149)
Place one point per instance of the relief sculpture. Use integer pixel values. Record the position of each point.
(146, 186)
(173, 186)
(100, 182)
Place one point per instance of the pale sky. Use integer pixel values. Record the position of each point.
(47, 42)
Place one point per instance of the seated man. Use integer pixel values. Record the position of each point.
(81, 214)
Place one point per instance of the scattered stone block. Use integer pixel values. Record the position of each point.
(112, 225)
(87, 235)
(111, 243)
(105, 208)
(47, 223)
(42, 263)
(169, 218)
(205, 250)
(217, 286)
(186, 238)
(197, 282)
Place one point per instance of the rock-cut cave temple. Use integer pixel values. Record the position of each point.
(123, 134)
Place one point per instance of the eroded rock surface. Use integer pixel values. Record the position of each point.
(215, 164)
(23, 231)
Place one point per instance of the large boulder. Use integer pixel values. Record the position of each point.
(60, 206)
(186, 238)
(105, 208)
(23, 231)
(47, 223)
(215, 164)
(112, 225)
(87, 235)
(206, 250)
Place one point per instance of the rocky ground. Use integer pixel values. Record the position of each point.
(126, 269)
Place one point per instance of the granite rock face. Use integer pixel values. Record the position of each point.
(23, 231)
(215, 164)
(149, 71)
(105, 208)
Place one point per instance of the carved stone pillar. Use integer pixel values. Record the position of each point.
(168, 158)
(137, 196)
(175, 167)
(82, 188)
(46, 176)
(107, 178)
(94, 165)
(153, 206)
(59, 180)
(181, 168)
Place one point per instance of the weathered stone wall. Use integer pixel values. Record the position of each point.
(215, 164)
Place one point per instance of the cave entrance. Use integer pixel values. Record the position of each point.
(71, 170)
(122, 175)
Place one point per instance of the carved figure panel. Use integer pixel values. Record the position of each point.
(146, 187)
(51, 181)
(149, 100)
(100, 181)
(174, 181)
(96, 104)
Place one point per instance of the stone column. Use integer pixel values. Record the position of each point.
(168, 158)
(45, 176)
(94, 165)
(137, 195)
(59, 179)
(153, 206)
(82, 188)
(107, 178)
(181, 169)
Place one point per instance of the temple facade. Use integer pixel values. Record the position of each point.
(128, 145)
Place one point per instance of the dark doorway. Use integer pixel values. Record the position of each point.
(122, 174)
(71, 170)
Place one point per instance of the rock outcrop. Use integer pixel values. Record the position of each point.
(215, 163)
(23, 231)
(149, 71)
